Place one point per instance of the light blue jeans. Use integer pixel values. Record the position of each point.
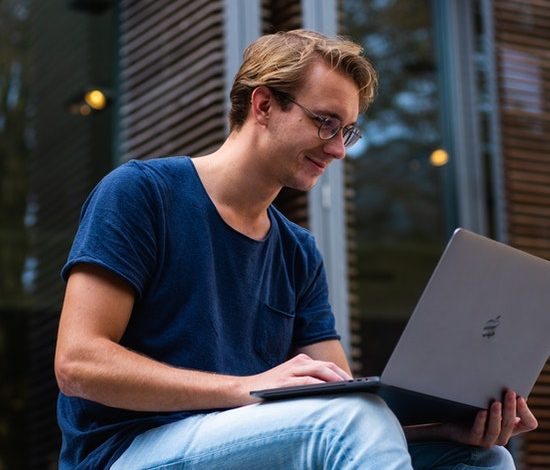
(340, 433)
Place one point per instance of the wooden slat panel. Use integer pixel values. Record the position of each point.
(522, 31)
(284, 15)
(171, 67)
(281, 15)
(356, 339)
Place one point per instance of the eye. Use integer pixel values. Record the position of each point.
(332, 125)
(322, 120)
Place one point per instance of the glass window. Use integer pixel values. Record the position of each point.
(402, 200)
(55, 143)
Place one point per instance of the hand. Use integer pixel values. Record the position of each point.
(300, 370)
(496, 425)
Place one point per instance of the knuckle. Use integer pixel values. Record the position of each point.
(311, 380)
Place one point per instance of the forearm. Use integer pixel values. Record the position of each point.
(110, 374)
(91, 363)
(105, 372)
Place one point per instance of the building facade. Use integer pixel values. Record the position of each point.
(459, 136)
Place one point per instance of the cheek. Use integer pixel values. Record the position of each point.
(293, 135)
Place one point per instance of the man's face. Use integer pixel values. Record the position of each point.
(300, 155)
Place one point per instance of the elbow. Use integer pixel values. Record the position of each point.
(68, 374)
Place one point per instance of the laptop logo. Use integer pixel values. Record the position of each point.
(489, 330)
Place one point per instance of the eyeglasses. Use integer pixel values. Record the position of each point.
(330, 126)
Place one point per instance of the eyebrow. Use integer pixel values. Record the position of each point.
(334, 115)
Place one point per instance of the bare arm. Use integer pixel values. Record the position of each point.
(90, 362)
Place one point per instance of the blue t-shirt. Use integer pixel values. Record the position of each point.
(207, 297)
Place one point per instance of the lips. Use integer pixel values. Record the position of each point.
(319, 165)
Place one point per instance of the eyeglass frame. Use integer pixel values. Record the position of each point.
(349, 130)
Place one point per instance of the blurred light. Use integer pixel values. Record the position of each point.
(84, 110)
(439, 157)
(95, 99)
(89, 101)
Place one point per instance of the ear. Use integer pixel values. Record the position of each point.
(261, 105)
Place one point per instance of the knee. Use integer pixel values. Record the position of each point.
(364, 429)
(368, 411)
(498, 457)
(452, 455)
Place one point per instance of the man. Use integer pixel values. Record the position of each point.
(187, 289)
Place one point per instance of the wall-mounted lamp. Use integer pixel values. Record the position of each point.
(91, 100)
(96, 99)
(439, 157)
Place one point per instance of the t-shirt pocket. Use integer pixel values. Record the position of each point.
(274, 328)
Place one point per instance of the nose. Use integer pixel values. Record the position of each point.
(335, 146)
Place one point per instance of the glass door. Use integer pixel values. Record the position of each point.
(403, 201)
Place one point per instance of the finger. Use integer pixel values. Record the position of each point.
(304, 380)
(478, 427)
(509, 418)
(325, 371)
(302, 357)
(494, 423)
(303, 365)
(528, 422)
(341, 372)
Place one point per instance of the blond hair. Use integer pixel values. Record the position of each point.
(280, 62)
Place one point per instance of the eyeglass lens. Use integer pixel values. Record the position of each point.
(330, 127)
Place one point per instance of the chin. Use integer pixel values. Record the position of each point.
(300, 180)
(302, 185)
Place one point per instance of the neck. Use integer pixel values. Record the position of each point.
(240, 188)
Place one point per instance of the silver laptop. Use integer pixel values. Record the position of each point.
(481, 326)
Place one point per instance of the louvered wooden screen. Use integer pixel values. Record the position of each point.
(522, 34)
(355, 325)
(171, 72)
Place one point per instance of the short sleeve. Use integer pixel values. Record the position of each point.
(314, 317)
(119, 227)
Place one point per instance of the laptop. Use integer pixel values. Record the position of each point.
(480, 327)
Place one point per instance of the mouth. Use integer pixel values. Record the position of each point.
(317, 164)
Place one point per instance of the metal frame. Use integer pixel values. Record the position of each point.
(454, 38)
(242, 26)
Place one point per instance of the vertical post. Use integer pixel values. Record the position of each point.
(242, 26)
(327, 211)
(454, 38)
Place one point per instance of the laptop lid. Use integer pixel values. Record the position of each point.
(481, 326)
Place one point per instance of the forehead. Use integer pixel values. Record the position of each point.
(329, 90)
